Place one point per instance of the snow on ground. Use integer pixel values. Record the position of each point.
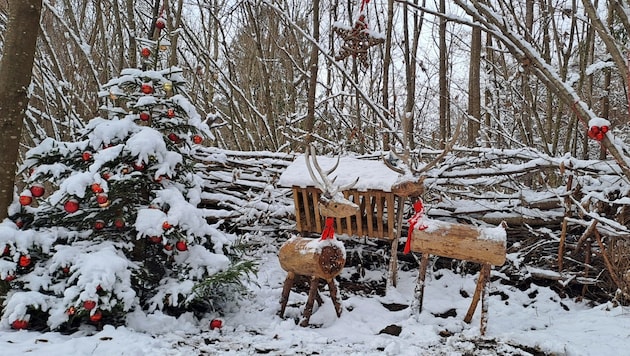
(535, 321)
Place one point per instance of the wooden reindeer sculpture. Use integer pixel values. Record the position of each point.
(460, 241)
(322, 258)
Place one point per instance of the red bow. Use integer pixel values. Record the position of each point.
(419, 209)
(329, 230)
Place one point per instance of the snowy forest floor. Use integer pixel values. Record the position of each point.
(523, 320)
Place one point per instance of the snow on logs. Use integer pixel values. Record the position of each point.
(313, 257)
(460, 241)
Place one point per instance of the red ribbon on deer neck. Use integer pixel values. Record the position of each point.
(329, 230)
(419, 209)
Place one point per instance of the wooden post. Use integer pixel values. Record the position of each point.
(392, 279)
(419, 290)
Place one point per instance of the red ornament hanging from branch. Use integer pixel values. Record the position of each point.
(357, 39)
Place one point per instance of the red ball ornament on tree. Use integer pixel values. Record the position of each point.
(89, 304)
(173, 137)
(106, 175)
(24, 261)
(86, 156)
(216, 324)
(102, 200)
(119, 223)
(71, 310)
(96, 316)
(168, 247)
(145, 116)
(170, 113)
(146, 88)
(9, 277)
(197, 139)
(155, 239)
(6, 251)
(37, 190)
(19, 223)
(19, 324)
(71, 206)
(145, 52)
(65, 270)
(99, 225)
(96, 188)
(166, 225)
(138, 166)
(181, 246)
(26, 198)
(160, 23)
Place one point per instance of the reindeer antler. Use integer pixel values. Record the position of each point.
(331, 202)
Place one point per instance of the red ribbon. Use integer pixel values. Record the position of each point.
(363, 3)
(419, 209)
(329, 230)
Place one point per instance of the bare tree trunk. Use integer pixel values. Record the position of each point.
(309, 123)
(132, 35)
(474, 87)
(387, 58)
(444, 95)
(16, 69)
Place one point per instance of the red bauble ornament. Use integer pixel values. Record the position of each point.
(65, 270)
(86, 156)
(604, 129)
(9, 277)
(160, 23)
(166, 225)
(96, 188)
(216, 324)
(170, 112)
(6, 251)
(102, 200)
(168, 247)
(181, 246)
(197, 139)
(19, 223)
(139, 166)
(19, 324)
(155, 239)
(173, 137)
(106, 175)
(89, 304)
(37, 190)
(26, 199)
(146, 88)
(99, 225)
(71, 310)
(71, 206)
(145, 116)
(145, 52)
(119, 223)
(97, 316)
(24, 261)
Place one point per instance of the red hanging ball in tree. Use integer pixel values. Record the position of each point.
(197, 139)
(86, 156)
(604, 129)
(96, 188)
(9, 277)
(24, 261)
(37, 190)
(71, 310)
(106, 175)
(102, 200)
(138, 166)
(145, 52)
(160, 23)
(26, 198)
(99, 225)
(19, 223)
(146, 88)
(173, 137)
(19, 324)
(166, 225)
(155, 239)
(6, 251)
(71, 206)
(96, 316)
(65, 269)
(181, 246)
(119, 223)
(145, 116)
(89, 304)
(170, 113)
(168, 247)
(216, 324)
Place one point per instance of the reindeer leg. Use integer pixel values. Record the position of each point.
(308, 310)
(419, 290)
(286, 289)
(332, 286)
(481, 282)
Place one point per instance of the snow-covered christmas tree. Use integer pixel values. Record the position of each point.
(110, 224)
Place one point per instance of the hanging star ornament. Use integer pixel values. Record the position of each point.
(357, 41)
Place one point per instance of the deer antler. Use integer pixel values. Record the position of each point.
(331, 202)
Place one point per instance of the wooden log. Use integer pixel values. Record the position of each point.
(460, 241)
(313, 257)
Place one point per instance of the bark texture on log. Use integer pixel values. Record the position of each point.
(313, 257)
(460, 241)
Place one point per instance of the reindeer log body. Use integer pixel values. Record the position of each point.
(313, 257)
(462, 242)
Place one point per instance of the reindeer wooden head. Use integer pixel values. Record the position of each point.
(331, 203)
(411, 183)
